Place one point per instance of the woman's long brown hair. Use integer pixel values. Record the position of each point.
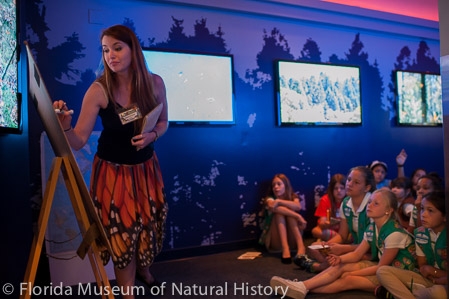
(142, 89)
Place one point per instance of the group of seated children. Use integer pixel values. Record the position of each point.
(373, 234)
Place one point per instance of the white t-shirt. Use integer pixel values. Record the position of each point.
(355, 219)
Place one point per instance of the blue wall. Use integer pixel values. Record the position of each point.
(216, 176)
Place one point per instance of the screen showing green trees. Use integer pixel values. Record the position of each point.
(419, 99)
(9, 104)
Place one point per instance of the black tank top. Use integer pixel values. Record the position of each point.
(114, 144)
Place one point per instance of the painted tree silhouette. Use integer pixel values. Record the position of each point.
(35, 15)
(310, 51)
(424, 61)
(65, 53)
(130, 24)
(55, 64)
(202, 40)
(214, 42)
(355, 54)
(404, 60)
(275, 47)
(176, 33)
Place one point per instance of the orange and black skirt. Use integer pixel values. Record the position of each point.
(130, 202)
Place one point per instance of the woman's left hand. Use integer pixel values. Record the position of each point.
(142, 140)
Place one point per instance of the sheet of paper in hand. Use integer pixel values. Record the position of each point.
(318, 246)
(150, 120)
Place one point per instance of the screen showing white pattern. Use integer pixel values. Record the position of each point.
(199, 86)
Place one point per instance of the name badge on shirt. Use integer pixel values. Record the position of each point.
(129, 115)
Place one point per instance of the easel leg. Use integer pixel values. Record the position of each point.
(86, 228)
(99, 271)
(38, 240)
(83, 221)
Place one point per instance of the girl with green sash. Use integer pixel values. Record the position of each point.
(359, 185)
(389, 243)
(431, 251)
(430, 182)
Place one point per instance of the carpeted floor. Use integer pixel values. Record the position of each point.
(238, 278)
(213, 275)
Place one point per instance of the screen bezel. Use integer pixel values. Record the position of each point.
(400, 121)
(13, 61)
(230, 120)
(278, 75)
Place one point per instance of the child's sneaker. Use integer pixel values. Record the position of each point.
(290, 288)
(304, 262)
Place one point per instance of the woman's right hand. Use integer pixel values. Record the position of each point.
(64, 116)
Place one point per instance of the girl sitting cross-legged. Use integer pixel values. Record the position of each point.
(353, 221)
(388, 242)
(431, 251)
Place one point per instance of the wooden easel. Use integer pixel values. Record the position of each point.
(89, 230)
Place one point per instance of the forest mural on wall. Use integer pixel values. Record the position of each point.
(215, 177)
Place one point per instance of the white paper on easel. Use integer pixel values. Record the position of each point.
(150, 120)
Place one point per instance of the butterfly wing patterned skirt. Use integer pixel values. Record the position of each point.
(130, 201)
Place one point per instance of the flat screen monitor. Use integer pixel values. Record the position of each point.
(199, 85)
(419, 99)
(318, 94)
(10, 100)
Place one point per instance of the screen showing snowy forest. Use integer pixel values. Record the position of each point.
(199, 86)
(319, 94)
(9, 106)
(419, 99)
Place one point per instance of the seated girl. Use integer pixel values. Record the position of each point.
(402, 188)
(328, 210)
(359, 185)
(430, 182)
(283, 225)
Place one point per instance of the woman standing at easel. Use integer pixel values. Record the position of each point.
(126, 183)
